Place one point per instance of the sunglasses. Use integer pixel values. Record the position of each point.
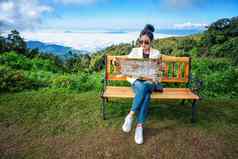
(146, 42)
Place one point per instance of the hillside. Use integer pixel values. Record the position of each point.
(58, 50)
(214, 56)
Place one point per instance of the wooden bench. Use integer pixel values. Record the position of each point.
(175, 70)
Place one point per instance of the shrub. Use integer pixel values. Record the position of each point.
(43, 64)
(62, 81)
(219, 76)
(18, 61)
(80, 81)
(15, 61)
(13, 81)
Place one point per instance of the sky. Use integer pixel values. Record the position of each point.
(112, 14)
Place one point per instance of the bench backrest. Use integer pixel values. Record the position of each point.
(175, 69)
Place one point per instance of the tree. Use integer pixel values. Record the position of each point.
(33, 52)
(2, 44)
(222, 30)
(233, 30)
(16, 42)
(97, 62)
(186, 44)
(220, 25)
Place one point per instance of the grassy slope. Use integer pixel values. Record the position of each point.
(55, 124)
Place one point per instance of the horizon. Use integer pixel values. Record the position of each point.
(71, 22)
(86, 41)
(90, 40)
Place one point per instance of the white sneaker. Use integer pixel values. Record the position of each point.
(139, 135)
(127, 124)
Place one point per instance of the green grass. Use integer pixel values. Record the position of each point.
(63, 124)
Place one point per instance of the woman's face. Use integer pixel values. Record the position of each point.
(145, 42)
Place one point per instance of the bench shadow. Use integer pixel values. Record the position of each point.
(117, 109)
(150, 133)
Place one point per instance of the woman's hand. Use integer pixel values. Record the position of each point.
(115, 61)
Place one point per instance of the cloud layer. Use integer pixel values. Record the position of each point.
(88, 41)
(21, 14)
(189, 25)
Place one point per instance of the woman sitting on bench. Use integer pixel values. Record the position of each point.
(141, 88)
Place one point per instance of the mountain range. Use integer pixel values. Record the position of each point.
(59, 50)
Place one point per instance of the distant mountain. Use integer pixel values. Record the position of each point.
(59, 50)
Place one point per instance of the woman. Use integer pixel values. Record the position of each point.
(141, 88)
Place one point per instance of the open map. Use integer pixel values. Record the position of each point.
(139, 68)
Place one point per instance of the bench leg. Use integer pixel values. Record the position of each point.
(182, 102)
(194, 109)
(103, 108)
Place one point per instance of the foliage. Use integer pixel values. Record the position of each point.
(97, 62)
(80, 82)
(15, 61)
(219, 76)
(214, 60)
(13, 81)
(121, 49)
(13, 42)
(25, 73)
(18, 61)
(220, 40)
(77, 63)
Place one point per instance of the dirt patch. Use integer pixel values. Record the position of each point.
(165, 142)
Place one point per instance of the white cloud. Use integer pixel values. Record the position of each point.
(79, 2)
(21, 14)
(189, 25)
(7, 6)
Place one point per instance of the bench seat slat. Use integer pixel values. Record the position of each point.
(168, 93)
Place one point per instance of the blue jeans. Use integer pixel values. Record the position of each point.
(142, 90)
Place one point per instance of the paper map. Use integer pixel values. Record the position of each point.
(139, 68)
